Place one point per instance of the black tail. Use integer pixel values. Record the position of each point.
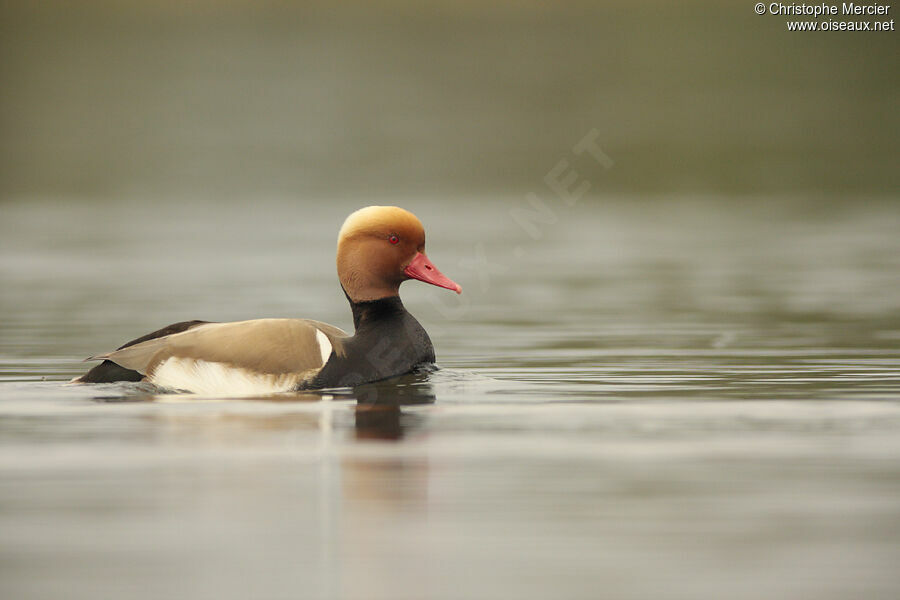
(107, 372)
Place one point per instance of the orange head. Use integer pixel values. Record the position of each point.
(380, 247)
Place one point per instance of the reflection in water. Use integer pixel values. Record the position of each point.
(378, 421)
(378, 413)
(382, 493)
(363, 490)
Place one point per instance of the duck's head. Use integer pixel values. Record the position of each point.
(380, 247)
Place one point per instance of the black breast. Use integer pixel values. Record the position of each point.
(388, 342)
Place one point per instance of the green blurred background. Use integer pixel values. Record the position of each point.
(105, 98)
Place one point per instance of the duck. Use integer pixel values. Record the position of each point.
(378, 248)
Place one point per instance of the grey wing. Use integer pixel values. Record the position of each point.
(266, 346)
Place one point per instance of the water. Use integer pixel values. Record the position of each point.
(681, 397)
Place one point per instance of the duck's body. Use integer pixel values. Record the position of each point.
(278, 355)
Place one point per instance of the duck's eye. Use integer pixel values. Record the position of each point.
(394, 239)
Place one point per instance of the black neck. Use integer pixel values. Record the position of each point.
(388, 341)
(369, 312)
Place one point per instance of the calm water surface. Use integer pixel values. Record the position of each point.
(674, 398)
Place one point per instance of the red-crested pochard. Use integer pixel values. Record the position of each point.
(379, 247)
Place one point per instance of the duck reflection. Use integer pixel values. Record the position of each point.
(384, 484)
(378, 413)
(363, 472)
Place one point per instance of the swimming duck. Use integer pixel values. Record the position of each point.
(379, 247)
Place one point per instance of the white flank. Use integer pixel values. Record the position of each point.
(324, 346)
(218, 379)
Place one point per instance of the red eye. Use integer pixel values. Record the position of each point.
(394, 239)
